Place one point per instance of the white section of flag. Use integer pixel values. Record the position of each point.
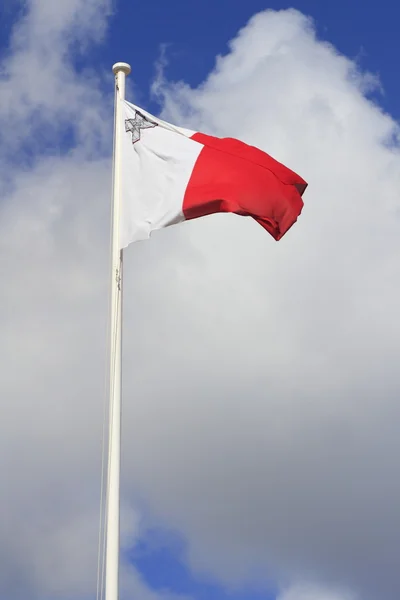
(155, 172)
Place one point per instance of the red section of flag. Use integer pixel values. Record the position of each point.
(230, 176)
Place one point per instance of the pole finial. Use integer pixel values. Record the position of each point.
(121, 66)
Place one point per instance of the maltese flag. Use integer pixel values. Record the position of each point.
(170, 174)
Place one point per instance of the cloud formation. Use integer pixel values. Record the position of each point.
(55, 182)
(313, 593)
(272, 420)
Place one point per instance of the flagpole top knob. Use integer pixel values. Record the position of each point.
(121, 66)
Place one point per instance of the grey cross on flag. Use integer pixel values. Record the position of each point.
(135, 125)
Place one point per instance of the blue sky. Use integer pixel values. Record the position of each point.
(161, 561)
(196, 32)
(168, 550)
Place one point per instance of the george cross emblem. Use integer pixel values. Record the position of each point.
(134, 126)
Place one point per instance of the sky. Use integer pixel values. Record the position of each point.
(260, 394)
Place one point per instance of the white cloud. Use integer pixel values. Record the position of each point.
(272, 418)
(260, 379)
(312, 593)
(54, 269)
(40, 92)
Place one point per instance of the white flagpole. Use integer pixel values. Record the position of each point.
(114, 441)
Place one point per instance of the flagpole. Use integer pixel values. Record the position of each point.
(120, 71)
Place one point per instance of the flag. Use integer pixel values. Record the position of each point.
(171, 174)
